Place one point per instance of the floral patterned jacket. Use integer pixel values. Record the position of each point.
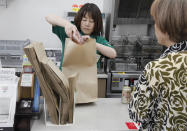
(159, 102)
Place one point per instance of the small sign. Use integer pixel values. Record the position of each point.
(132, 125)
(26, 80)
(7, 75)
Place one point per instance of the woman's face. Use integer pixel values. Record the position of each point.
(162, 38)
(87, 25)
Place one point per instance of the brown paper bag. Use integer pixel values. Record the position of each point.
(81, 59)
(55, 86)
(35, 57)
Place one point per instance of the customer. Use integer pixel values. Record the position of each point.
(88, 21)
(160, 100)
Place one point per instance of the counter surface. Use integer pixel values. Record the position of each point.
(105, 114)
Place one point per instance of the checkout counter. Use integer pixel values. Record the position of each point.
(104, 114)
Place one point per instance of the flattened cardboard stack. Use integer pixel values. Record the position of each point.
(54, 84)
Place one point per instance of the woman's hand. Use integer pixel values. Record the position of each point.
(72, 31)
(80, 39)
(84, 38)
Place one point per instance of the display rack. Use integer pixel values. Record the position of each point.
(11, 54)
(47, 118)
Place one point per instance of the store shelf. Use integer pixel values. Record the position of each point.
(4, 3)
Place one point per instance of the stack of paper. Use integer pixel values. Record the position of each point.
(56, 88)
(8, 94)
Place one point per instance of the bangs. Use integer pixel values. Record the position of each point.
(90, 14)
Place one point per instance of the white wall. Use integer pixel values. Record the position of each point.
(25, 19)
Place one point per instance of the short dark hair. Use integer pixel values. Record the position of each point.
(95, 13)
(170, 16)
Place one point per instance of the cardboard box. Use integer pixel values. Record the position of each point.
(26, 86)
(102, 87)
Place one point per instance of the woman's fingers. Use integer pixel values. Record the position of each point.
(73, 33)
(83, 39)
(75, 38)
(70, 29)
(86, 37)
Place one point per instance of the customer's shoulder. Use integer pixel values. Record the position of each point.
(174, 58)
(171, 60)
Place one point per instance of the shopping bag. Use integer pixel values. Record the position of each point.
(81, 59)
